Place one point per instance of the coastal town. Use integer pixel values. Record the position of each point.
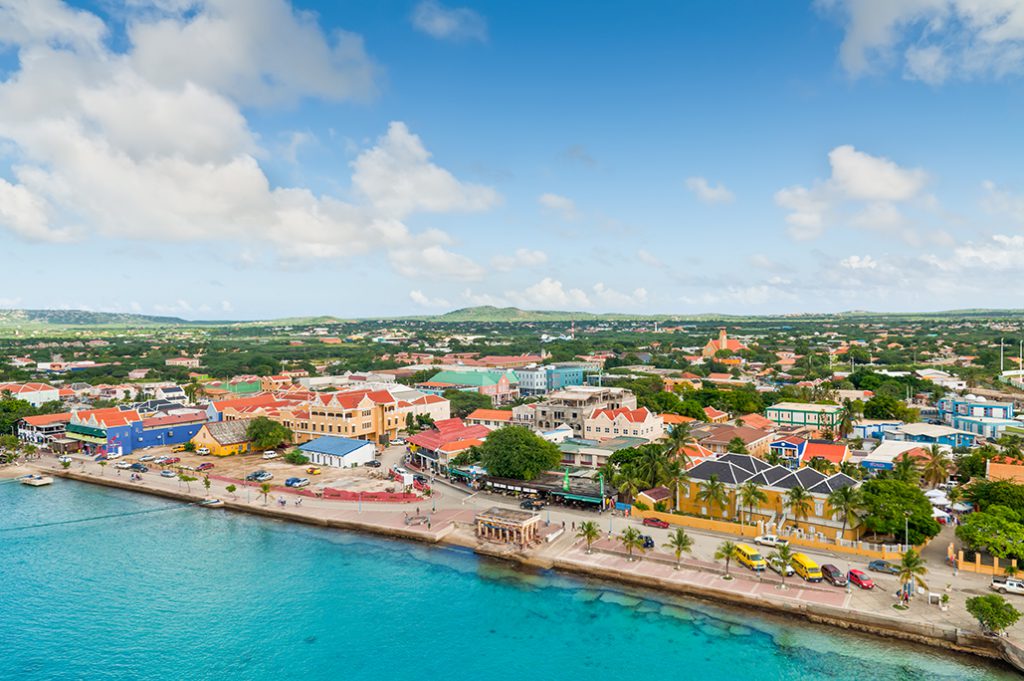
(854, 475)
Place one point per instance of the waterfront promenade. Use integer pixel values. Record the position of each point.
(447, 517)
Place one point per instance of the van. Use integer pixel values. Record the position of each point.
(806, 568)
(747, 555)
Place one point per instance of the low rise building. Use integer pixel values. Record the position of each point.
(338, 452)
(604, 424)
(818, 416)
(224, 438)
(36, 394)
(186, 362)
(931, 434)
(574, 405)
(718, 436)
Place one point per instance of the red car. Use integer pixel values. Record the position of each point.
(172, 460)
(654, 522)
(205, 466)
(860, 579)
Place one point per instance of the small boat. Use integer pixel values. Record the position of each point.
(36, 480)
(211, 503)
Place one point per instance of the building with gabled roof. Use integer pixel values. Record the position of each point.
(224, 438)
(604, 424)
(723, 342)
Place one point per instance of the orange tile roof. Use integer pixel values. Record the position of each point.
(673, 419)
(632, 415)
(490, 415)
(47, 419)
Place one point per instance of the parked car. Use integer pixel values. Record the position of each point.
(100, 457)
(65, 459)
(113, 455)
(398, 441)
(291, 481)
(178, 448)
(170, 461)
(203, 451)
(146, 457)
(833, 575)
(297, 482)
(313, 470)
(648, 541)
(168, 474)
(422, 479)
(161, 460)
(531, 504)
(141, 468)
(883, 566)
(269, 455)
(123, 465)
(860, 579)
(264, 476)
(772, 540)
(1005, 585)
(252, 476)
(373, 463)
(204, 466)
(776, 564)
(655, 522)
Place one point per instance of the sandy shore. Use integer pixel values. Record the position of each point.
(455, 527)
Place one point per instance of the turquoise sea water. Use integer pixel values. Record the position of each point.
(175, 592)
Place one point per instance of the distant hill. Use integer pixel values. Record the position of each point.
(82, 318)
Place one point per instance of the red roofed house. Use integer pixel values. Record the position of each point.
(492, 418)
(604, 424)
(44, 428)
(757, 421)
(723, 342)
(431, 448)
(36, 394)
(716, 415)
(833, 452)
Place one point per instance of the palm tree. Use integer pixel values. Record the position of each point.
(265, 491)
(737, 446)
(821, 464)
(905, 468)
(628, 480)
(679, 438)
(192, 389)
(712, 492)
(774, 458)
(590, 532)
(847, 502)
(679, 542)
(677, 477)
(651, 466)
(783, 557)
(935, 466)
(751, 495)
(726, 551)
(844, 426)
(103, 464)
(632, 539)
(798, 503)
(912, 569)
(851, 469)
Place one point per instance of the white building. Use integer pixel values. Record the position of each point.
(338, 452)
(605, 424)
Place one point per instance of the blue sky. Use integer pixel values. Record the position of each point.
(230, 159)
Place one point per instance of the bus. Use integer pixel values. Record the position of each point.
(806, 568)
(747, 555)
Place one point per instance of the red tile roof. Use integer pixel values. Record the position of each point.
(490, 415)
(632, 415)
(447, 431)
(836, 453)
(47, 419)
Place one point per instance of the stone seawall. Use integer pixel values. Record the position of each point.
(946, 638)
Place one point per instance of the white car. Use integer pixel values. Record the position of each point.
(146, 457)
(774, 564)
(772, 540)
(123, 465)
(1006, 585)
(398, 441)
(65, 459)
(269, 455)
(161, 459)
(113, 455)
(203, 451)
(304, 482)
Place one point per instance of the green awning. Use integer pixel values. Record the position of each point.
(456, 471)
(87, 430)
(577, 497)
(87, 438)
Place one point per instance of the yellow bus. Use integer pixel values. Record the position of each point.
(747, 555)
(806, 568)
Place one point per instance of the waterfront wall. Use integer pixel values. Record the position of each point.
(861, 549)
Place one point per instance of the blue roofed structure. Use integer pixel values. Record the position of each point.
(338, 452)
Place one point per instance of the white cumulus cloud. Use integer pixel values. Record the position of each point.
(561, 205)
(424, 300)
(857, 262)
(449, 23)
(549, 294)
(708, 193)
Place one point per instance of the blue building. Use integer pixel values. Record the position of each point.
(977, 415)
(930, 434)
(123, 431)
(874, 429)
(544, 379)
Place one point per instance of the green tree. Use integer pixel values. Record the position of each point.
(885, 502)
(783, 557)
(517, 452)
(627, 480)
(678, 440)
(464, 403)
(65, 465)
(799, 503)
(737, 446)
(935, 466)
(912, 570)
(296, 458)
(996, 530)
(751, 495)
(188, 480)
(846, 502)
(712, 492)
(726, 551)
(905, 468)
(821, 464)
(206, 483)
(589, 532)
(679, 542)
(653, 467)
(993, 613)
(267, 434)
(846, 419)
(190, 446)
(103, 464)
(230, 489)
(632, 540)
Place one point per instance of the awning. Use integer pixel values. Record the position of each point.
(456, 471)
(577, 497)
(87, 438)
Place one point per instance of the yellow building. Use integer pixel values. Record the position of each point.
(733, 470)
(224, 438)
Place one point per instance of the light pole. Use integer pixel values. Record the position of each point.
(906, 530)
